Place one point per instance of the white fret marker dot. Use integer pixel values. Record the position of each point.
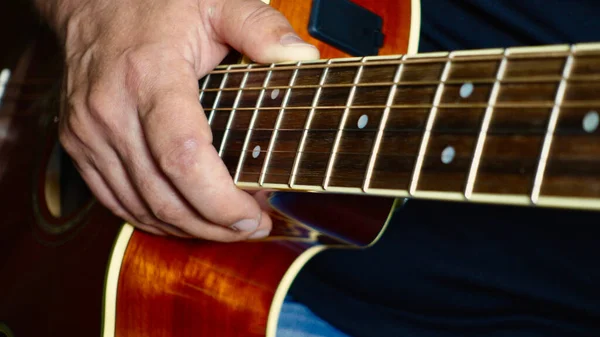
(256, 152)
(362, 121)
(448, 155)
(591, 121)
(274, 93)
(466, 90)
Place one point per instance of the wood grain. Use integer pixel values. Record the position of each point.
(396, 23)
(172, 287)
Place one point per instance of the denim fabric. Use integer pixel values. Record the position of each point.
(296, 320)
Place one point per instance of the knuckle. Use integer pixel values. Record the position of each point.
(138, 67)
(102, 112)
(76, 128)
(180, 157)
(167, 213)
(97, 102)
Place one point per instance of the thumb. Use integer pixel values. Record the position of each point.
(260, 32)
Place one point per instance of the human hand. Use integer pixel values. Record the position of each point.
(132, 121)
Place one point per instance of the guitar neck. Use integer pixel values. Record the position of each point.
(513, 126)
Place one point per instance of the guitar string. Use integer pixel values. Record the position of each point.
(312, 172)
(473, 80)
(524, 105)
(514, 80)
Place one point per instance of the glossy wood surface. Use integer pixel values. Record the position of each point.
(173, 287)
(396, 23)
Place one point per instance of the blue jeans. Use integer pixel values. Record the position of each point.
(296, 320)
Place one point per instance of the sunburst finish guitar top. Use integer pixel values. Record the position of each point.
(516, 126)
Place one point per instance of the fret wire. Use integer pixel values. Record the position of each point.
(307, 127)
(522, 80)
(217, 98)
(251, 126)
(203, 89)
(506, 131)
(232, 114)
(338, 135)
(357, 153)
(485, 126)
(381, 128)
(560, 93)
(429, 126)
(274, 134)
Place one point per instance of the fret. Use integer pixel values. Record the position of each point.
(354, 148)
(524, 64)
(407, 95)
(484, 127)
(277, 126)
(212, 99)
(451, 145)
(290, 129)
(509, 156)
(229, 125)
(218, 96)
(299, 155)
(423, 72)
(468, 67)
(238, 178)
(279, 169)
(242, 82)
(203, 87)
(551, 127)
(466, 92)
(382, 125)
(572, 165)
(429, 126)
(340, 131)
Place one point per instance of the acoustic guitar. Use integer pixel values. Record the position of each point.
(343, 141)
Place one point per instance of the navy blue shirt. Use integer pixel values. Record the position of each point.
(445, 269)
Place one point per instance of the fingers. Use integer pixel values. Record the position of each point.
(258, 31)
(165, 204)
(180, 143)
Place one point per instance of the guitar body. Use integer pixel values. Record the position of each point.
(71, 268)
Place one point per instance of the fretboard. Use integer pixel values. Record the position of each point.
(515, 126)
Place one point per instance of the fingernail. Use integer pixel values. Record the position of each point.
(246, 225)
(263, 233)
(291, 39)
